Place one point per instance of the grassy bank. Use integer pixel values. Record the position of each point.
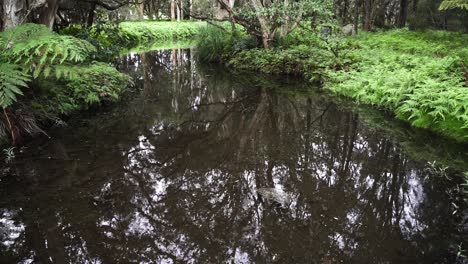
(420, 77)
(149, 32)
(111, 39)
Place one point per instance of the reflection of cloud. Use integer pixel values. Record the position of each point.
(412, 198)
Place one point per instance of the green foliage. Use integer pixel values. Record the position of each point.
(37, 49)
(451, 4)
(80, 87)
(418, 76)
(216, 45)
(155, 31)
(46, 55)
(108, 39)
(300, 60)
(12, 79)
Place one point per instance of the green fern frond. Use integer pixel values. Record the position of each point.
(12, 79)
(37, 48)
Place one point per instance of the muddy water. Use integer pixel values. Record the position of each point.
(199, 165)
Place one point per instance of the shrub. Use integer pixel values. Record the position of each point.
(60, 73)
(79, 87)
(216, 45)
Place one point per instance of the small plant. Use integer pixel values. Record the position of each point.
(435, 169)
(9, 154)
(461, 251)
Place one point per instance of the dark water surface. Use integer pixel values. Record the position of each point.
(203, 166)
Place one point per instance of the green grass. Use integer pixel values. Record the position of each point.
(158, 31)
(418, 76)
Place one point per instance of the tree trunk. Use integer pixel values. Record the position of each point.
(191, 9)
(181, 9)
(380, 20)
(266, 28)
(47, 13)
(403, 13)
(344, 12)
(173, 10)
(356, 16)
(91, 15)
(367, 10)
(141, 10)
(14, 12)
(178, 10)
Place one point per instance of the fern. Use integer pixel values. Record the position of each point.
(451, 4)
(89, 84)
(12, 79)
(418, 76)
(38, 49)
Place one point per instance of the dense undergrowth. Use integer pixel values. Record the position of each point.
(304, 52)
(45, 75)
(148, 32)
(419, 76)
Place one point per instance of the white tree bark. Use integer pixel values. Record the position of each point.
(14, 12)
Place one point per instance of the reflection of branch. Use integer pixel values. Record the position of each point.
(214, 103)
(322, 114)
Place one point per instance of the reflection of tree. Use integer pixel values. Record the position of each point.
(177, 180)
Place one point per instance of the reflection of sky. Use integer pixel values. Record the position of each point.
(412, 198)
(10, 228)
(210, 185)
